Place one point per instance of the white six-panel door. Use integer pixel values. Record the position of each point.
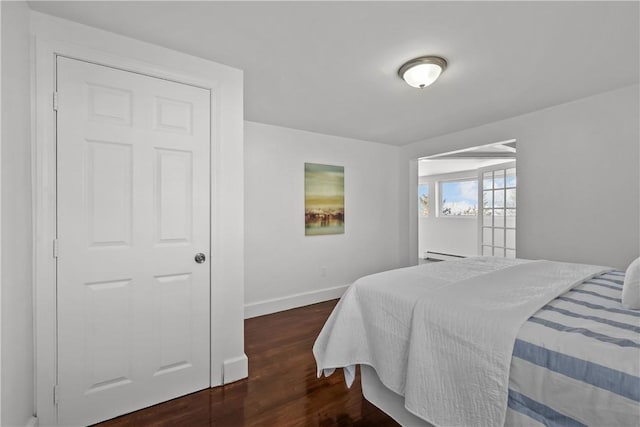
(133, 212)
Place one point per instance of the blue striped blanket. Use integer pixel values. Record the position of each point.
(576, 362)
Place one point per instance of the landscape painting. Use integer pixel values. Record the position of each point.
(323, 199)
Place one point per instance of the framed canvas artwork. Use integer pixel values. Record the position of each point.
(323, 199)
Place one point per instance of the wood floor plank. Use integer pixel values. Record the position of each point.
(282, 388)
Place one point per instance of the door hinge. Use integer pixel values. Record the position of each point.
(56, 392)
(55, 101)
(55, 248)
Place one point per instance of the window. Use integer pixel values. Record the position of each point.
(423, 200)
(499, 212)
(459, 198)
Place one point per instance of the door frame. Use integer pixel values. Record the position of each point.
(44, 208)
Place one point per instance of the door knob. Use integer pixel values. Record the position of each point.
(200, 258)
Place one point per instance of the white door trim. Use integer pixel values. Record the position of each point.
(44, 165)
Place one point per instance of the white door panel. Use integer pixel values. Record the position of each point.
(133, 210)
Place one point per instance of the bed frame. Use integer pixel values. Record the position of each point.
(389, 402)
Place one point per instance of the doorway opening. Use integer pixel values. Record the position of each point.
(467, 203)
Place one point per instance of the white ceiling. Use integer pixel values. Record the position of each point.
(330, 67)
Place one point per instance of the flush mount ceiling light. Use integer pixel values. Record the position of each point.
(423, 71)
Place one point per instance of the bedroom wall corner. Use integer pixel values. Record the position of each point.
(17, 379)
(285, 268)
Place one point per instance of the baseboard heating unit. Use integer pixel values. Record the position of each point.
(439, 256)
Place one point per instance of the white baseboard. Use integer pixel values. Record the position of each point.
(275, 305)
(33, 422)
(235, 369)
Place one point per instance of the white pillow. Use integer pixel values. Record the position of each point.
(631, 286)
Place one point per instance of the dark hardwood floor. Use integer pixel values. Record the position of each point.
(282, 388)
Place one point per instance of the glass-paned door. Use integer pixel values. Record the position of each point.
(497, 196)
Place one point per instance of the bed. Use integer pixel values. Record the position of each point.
(490, 341)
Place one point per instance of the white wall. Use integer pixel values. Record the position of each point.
(578, 178)
(281, 262)
(448, 235)
(1, 94)
(17, 310)
(227, 248)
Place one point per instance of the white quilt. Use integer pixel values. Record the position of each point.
(369, 327)
(463, 337)
(456, 371)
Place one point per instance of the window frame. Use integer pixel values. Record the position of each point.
(503, 247)
(429, 214)
(439, 194)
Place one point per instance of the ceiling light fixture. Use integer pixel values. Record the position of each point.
(423, 71)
